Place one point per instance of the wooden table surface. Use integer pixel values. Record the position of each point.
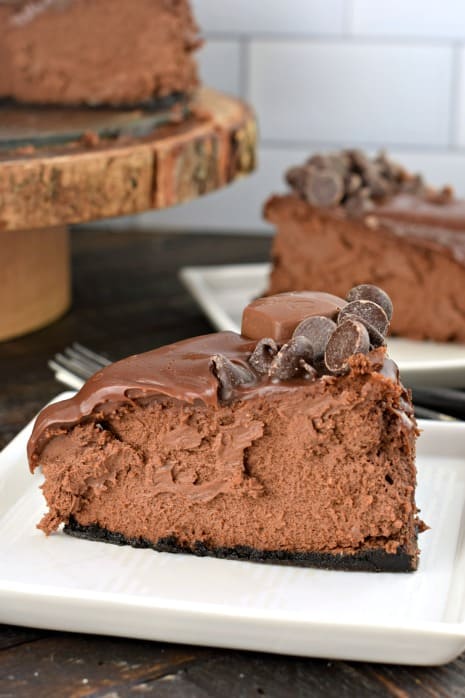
(127, 299)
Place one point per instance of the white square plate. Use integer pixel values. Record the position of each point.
(69, 584)
(224, 291)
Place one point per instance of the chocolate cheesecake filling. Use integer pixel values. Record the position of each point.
(115, 52)
(381, 225)
(205, 446)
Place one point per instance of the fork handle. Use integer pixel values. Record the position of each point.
(445, 400)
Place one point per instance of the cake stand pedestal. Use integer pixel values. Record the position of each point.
(88, 165)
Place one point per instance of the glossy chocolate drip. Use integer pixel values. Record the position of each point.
(425, 223)
(180, 370)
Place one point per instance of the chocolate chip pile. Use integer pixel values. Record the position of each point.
(355, 181)
(318, 345)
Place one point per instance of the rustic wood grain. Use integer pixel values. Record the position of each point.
(75, 666)
(127, 298)
(59, 185)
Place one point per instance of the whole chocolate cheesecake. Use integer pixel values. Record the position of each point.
(115, 52)
(351, 219)
(291, 443)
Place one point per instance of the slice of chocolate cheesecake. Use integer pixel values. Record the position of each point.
(351, 219)
(115, 52)
(292, 443)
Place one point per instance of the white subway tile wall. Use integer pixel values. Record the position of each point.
(458, 111)
(255, 17)
(434, 19)
(355, 93)
(324, 74)
(220, 65)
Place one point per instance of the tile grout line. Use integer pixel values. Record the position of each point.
(335, 38)
(455, 99)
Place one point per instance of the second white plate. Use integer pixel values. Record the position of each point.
(224, 291)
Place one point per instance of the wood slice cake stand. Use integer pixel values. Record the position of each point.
(59, 167)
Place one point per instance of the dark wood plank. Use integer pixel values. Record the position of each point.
(12, 636)
(82, 665)
(127, 298)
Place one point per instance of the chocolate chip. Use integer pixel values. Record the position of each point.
(359, 203)
(376, 338)
(318, 330)
(353, 183)
(372, 173)
(229, 375)
(371, 314)
(324, 187)
(263, 354)
(380, 187)
(340, 162)
(358, 160)
(296, 177)
(351, 178)
(350, 338)
(441, 197)
(414, 184)
(390, 169)
(367, 292)
(293, 360)
(337, 162)
(321, 162)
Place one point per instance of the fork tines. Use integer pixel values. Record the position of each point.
(75, 364)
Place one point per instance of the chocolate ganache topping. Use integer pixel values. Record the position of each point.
(384, 195)
(356, 182)
(303, 337)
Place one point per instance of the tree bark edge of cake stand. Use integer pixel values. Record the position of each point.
(177, 163)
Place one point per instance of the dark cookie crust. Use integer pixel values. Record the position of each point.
(373, 560)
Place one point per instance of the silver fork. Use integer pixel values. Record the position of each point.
(76, 364)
